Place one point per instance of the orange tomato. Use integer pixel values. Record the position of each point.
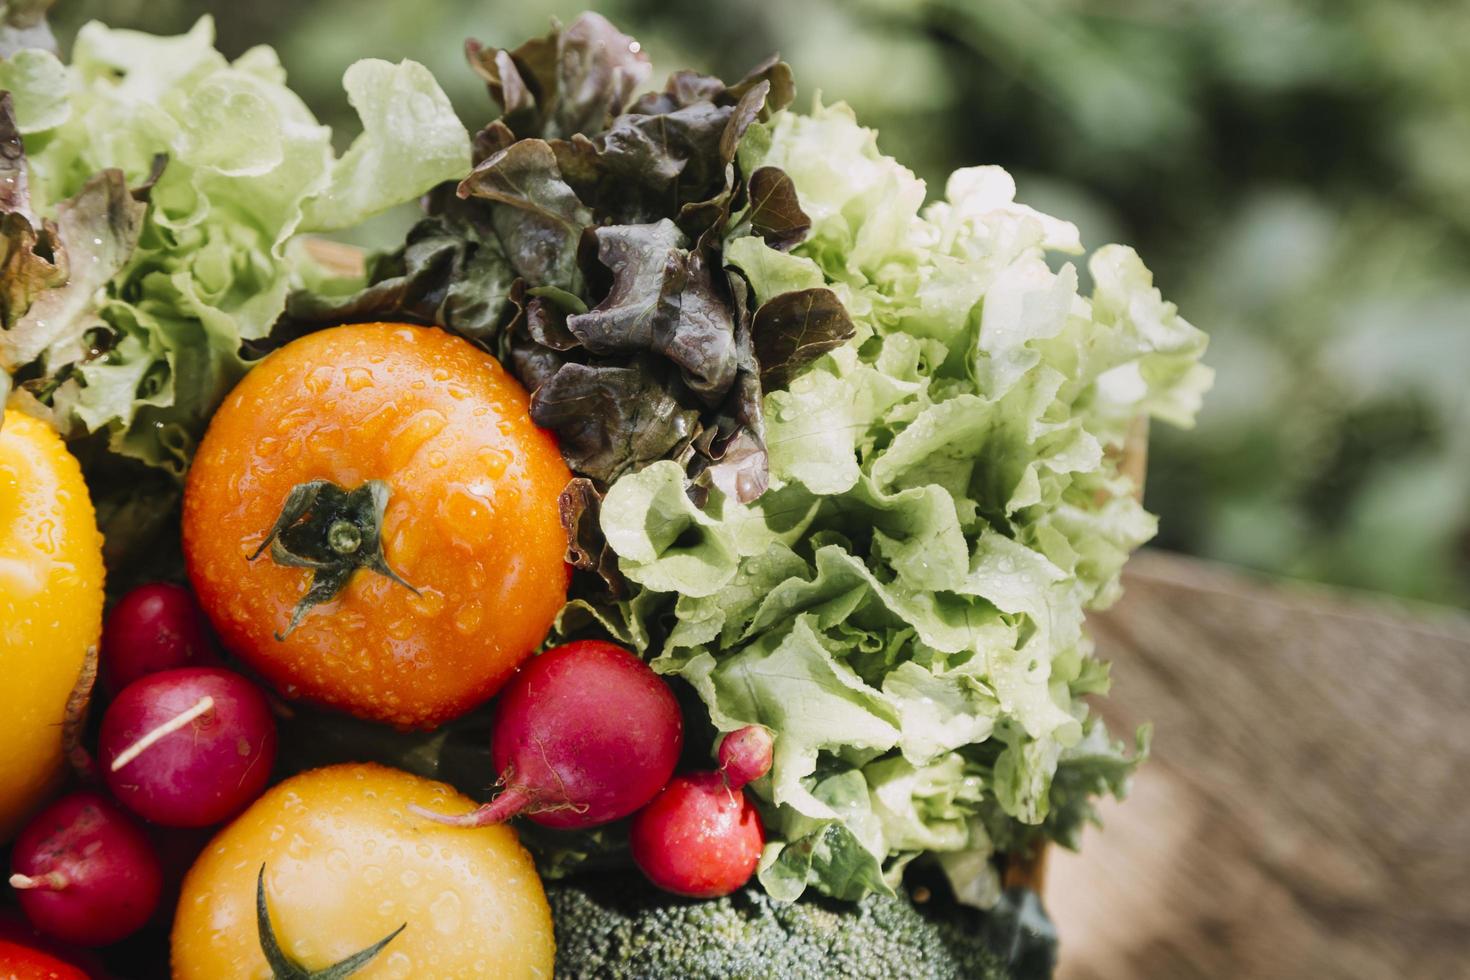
(471, 534)
(50, 607)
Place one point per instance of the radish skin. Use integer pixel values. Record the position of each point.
(585, 734)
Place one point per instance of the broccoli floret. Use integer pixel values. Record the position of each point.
(617, 927)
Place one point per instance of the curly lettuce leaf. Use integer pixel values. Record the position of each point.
(587, 250)
(904, 606)
(177, 288)
(95, 234)
(573, 80)
(410, 138)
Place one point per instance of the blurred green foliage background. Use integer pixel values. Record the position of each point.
(1296, 172)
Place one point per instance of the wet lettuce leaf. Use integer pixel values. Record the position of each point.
(903, 607)
(573, 80)
(587, 249)
(775, 212)
(165, 185)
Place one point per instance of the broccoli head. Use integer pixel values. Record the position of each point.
(618, 927)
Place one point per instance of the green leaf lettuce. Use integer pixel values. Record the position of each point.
(145, 338)
(904, 606)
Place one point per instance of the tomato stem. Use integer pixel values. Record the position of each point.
(344, 537)
(334, 532)
(181, 720)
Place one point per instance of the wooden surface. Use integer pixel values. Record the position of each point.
(1306, 813)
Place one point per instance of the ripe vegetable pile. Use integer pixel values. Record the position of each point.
(886, 563)
(685, 484)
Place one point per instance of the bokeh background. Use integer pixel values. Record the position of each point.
(1296, 173)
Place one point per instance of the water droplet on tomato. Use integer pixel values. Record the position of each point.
(428, 603)
(338, 861)
(494, 462)
(357, 378)
(398, 965)
(318, 380)
(411, 436)
(446, 913)
(468, 617)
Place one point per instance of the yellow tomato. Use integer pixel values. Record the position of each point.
(50, 606)
(346, 864)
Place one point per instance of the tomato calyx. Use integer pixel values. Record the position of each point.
(283, 967)
(333, 532)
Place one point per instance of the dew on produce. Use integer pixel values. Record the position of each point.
(46, 536)
(319, 380)
(398, 965)
(357, 378)
(428, 603)
(469, 617)
(494, 461)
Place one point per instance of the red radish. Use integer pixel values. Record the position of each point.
(85, 872)
(699, 837)
(584, 734)
(152, 628)
(745, 755)
(188, 747)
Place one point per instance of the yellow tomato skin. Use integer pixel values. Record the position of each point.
(346, 864)
(50, 607)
